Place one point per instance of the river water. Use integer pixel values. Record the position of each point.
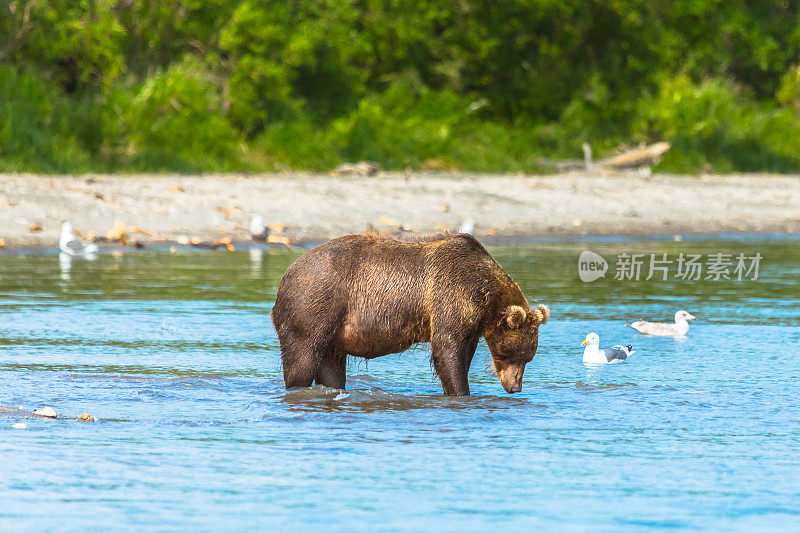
(176, 355)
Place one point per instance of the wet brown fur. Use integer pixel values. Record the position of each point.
(369, 295)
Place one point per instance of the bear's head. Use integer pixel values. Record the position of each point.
(513, 340)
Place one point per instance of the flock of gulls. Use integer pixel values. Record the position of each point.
(594, 355)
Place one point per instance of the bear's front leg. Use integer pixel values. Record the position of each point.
(451, 360)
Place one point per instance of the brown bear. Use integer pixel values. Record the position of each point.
(368, 295)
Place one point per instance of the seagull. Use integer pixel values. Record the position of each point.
(258, 230)
(678, 329)
(71, 246)
(593, 355)
(467, 226)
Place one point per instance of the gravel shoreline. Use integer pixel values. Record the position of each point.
(302, 207)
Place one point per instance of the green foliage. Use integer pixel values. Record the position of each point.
(40, 129)
(712, 125)
(205, 85)
(789, 91)
(407, 126)
(288, 58)
(175, 120)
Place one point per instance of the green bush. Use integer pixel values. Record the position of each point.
(40, 129)
(714, 125)
(408, 126)
(175, 120)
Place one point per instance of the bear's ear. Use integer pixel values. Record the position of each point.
(514, 317)
(540, 315)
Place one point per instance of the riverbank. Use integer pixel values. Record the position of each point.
(302, 207)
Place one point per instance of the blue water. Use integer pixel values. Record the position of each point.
(174, 353)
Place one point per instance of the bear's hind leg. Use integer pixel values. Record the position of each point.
(300, 363)
(332, 370)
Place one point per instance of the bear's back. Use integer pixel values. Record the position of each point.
(371, 266)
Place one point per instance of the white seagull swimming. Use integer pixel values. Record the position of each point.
(71, 246)
(593, 355)
(258, 230)
(678, 329)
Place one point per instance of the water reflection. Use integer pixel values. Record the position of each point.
(64, 265)
(256, 257)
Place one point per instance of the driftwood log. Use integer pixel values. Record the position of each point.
(642, 156)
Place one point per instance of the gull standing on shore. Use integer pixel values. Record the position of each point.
(593, 355)
(678, 329)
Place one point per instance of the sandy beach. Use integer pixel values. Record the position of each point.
(315, 207)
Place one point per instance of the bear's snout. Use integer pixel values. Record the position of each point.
(511, 378)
